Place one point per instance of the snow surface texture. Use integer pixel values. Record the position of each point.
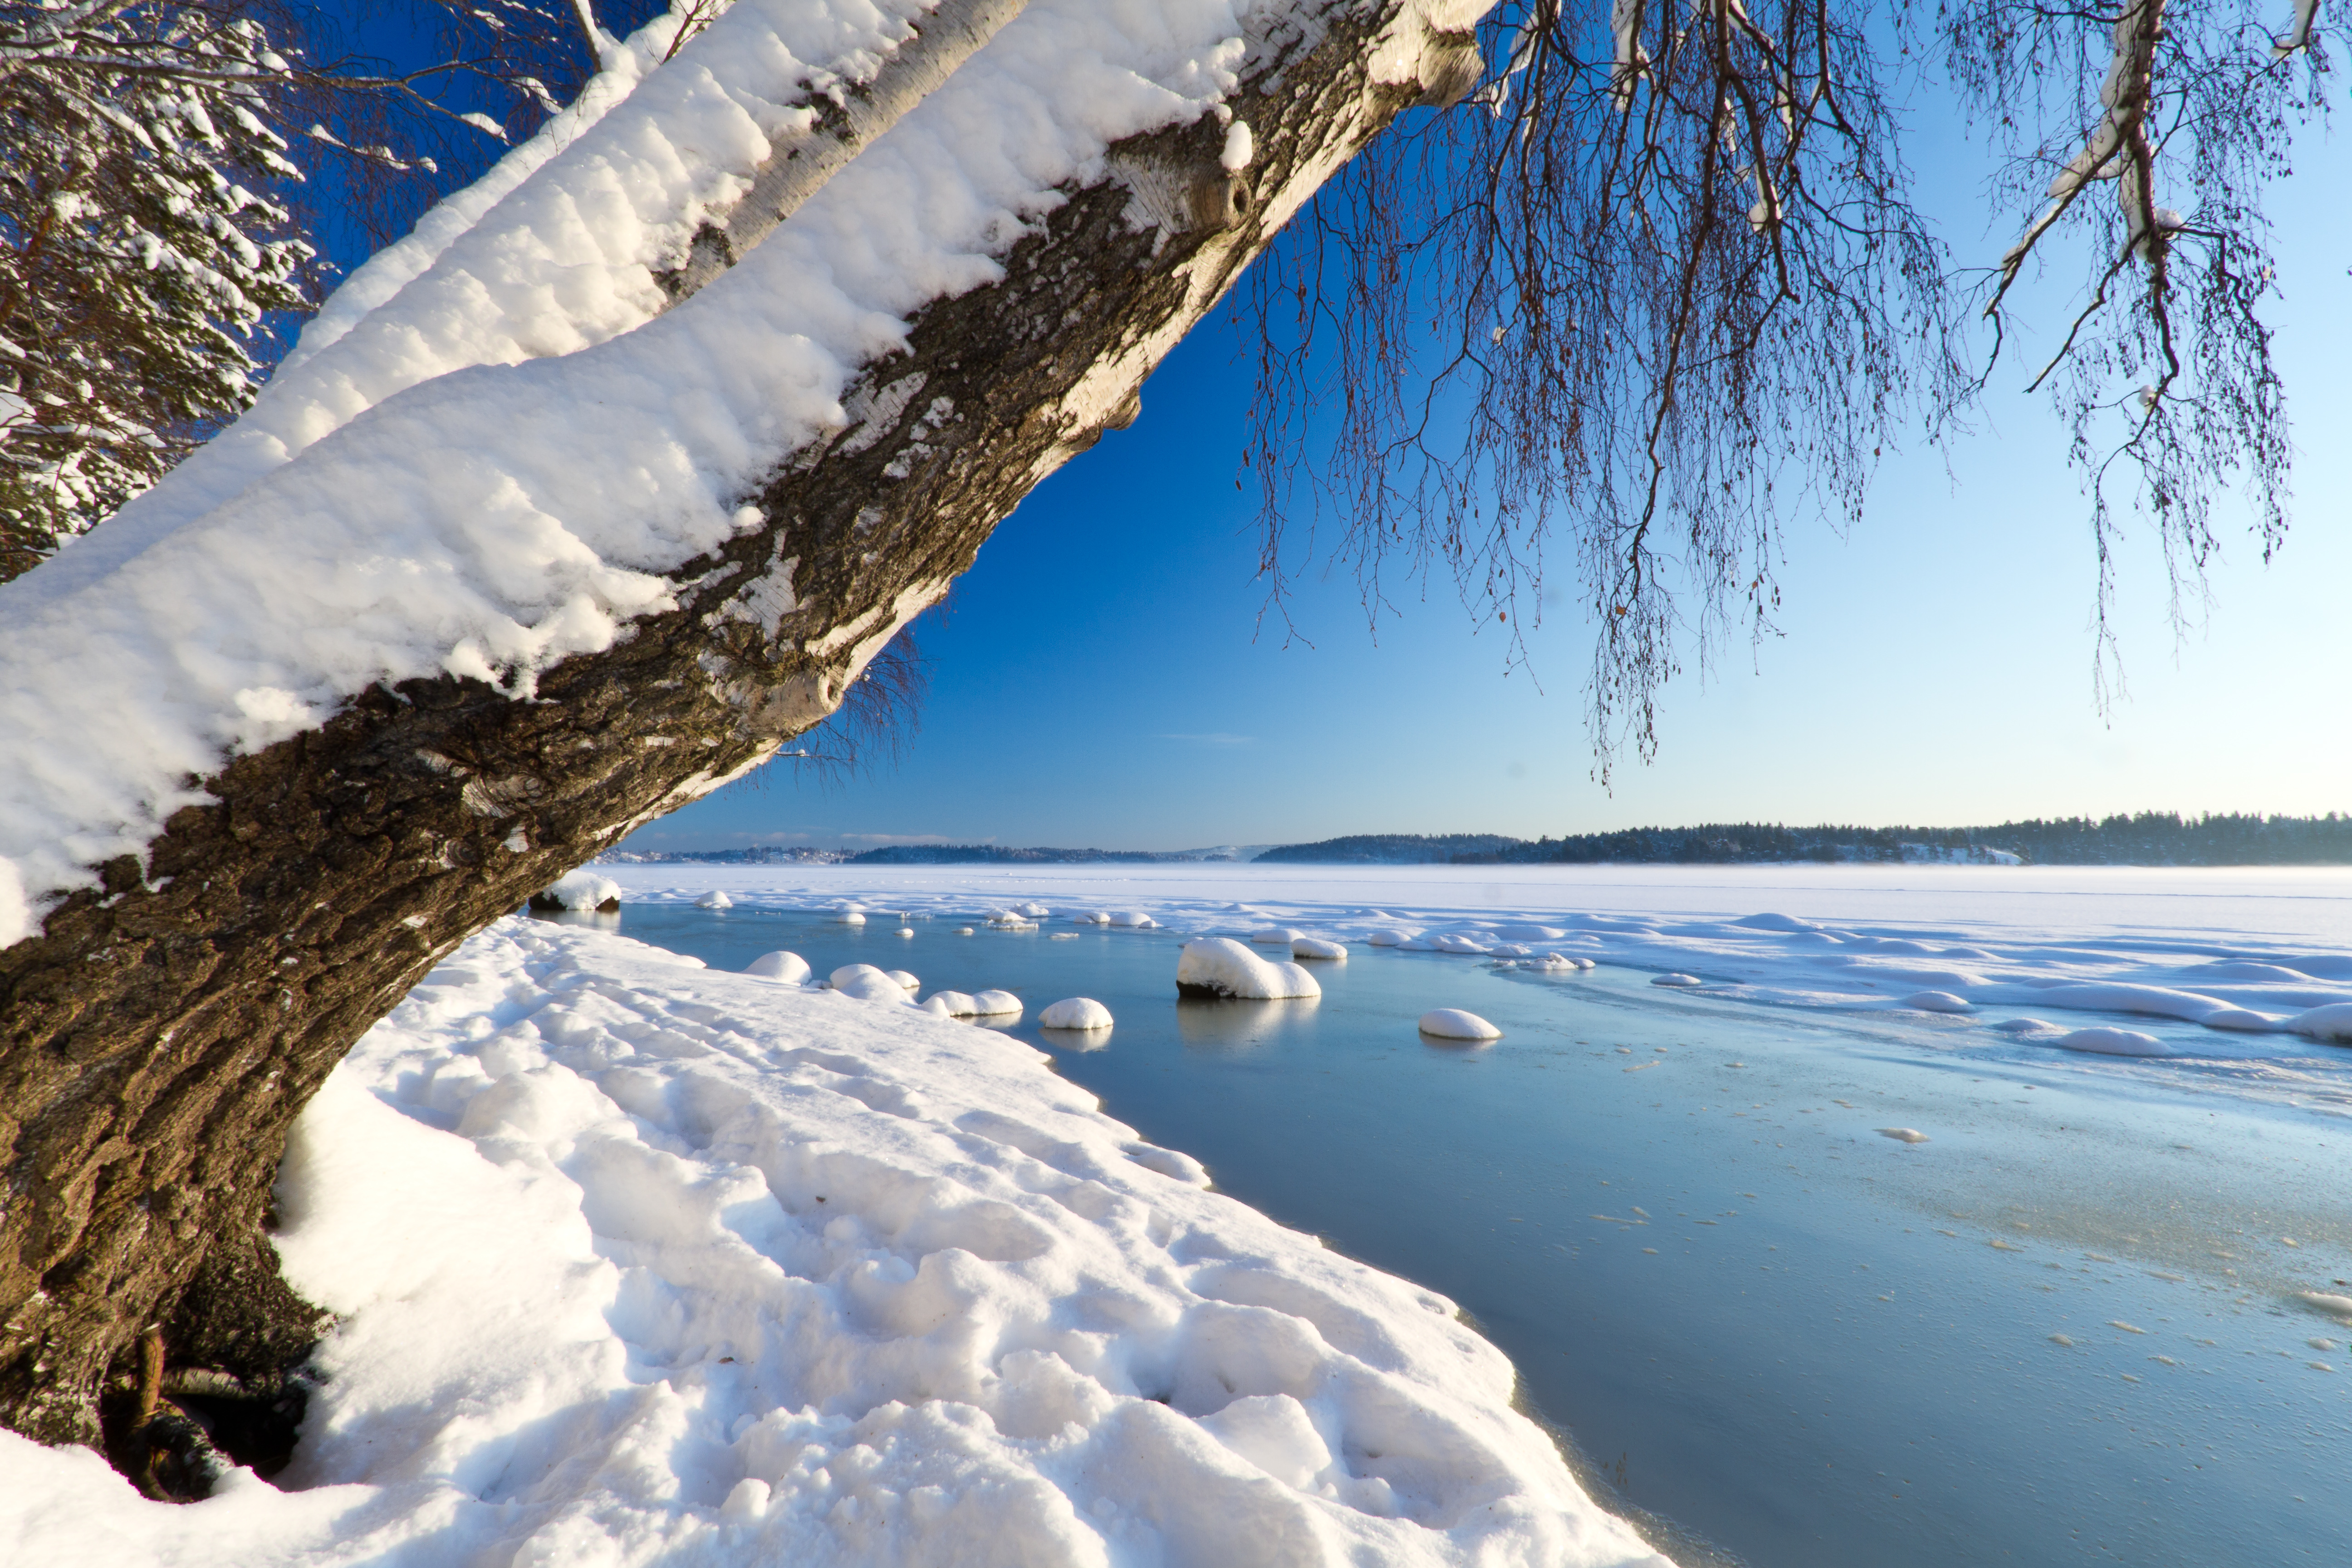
(1453, 1024)
(585, 443)
(1225, 966)
(2257, 962)
(639, 1262)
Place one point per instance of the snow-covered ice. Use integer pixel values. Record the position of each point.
(716, 898)
(2259, 959)
(2332, 1021)
(1223, 967)
(1454, 1024)
(1315, 947)
(1936, 1001)
(2110, 1042)
(1075, 1013)
(639, 1263)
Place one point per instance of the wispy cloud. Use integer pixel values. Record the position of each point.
(1217, 739)
(882, 840)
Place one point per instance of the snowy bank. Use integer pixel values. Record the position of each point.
(640, 1262)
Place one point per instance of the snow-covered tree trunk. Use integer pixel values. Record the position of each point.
(166, 1018)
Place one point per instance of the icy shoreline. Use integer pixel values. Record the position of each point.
(642, 1262)
(2261, 959)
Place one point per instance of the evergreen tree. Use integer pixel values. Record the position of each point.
(140, 248)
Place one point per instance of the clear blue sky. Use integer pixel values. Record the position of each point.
(1103, 680)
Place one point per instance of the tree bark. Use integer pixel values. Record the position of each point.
(160, 1033)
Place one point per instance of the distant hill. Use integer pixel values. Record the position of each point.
(2147, 839)
(994, 853)
(1397, 849)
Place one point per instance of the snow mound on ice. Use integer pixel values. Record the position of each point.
(716, 898)
(2241, 969)
(789, 967)
(2332, 1022)
(579, 890)
(952, 1005)
(1315, 947)
(1386, 937)
(995, 1004)
(1453, 1024)
(1769, 921)
(851, 917)
(1132, 920)
(1937, 1002)
(1453, 941)
(1677, 979)
(905, 981)
(2239, 1020)
(2029, 1029)
(2108, 1042)
(642, 1263)
(1011, 920)
(1075, 1013)
(1903, 1134)
(1220, 966)
(1529, 933)
(866, 983)
(1277, 936)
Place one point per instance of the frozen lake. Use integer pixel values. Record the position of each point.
(2069, 1325)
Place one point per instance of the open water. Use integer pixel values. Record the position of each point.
(2063, 1328)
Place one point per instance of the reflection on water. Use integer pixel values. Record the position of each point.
(2066, 1328)
(1232, 1023)
(595, 919)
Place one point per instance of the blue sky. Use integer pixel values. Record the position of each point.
(1103, 678)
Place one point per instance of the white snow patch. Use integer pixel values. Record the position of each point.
(716, 898)
(1278, 936)
(1903, 1134)
(584, 889)
(788, 968)
(2332, 1022)
(2113, 1043)
(1676, 978)
(996, 1004)
(1075, 1013)
(1453, 1024)
(1450, 941)
(1937, 1002)
(1225, 967)
(1315, 947)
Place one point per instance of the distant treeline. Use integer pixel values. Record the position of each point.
(990, 854)
(2147, 838)
(764, 855)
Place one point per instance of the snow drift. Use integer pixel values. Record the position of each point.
(643, 1263)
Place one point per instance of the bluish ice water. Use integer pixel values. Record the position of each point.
(1755, 1315)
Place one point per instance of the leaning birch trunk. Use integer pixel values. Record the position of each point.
(163, 1027)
